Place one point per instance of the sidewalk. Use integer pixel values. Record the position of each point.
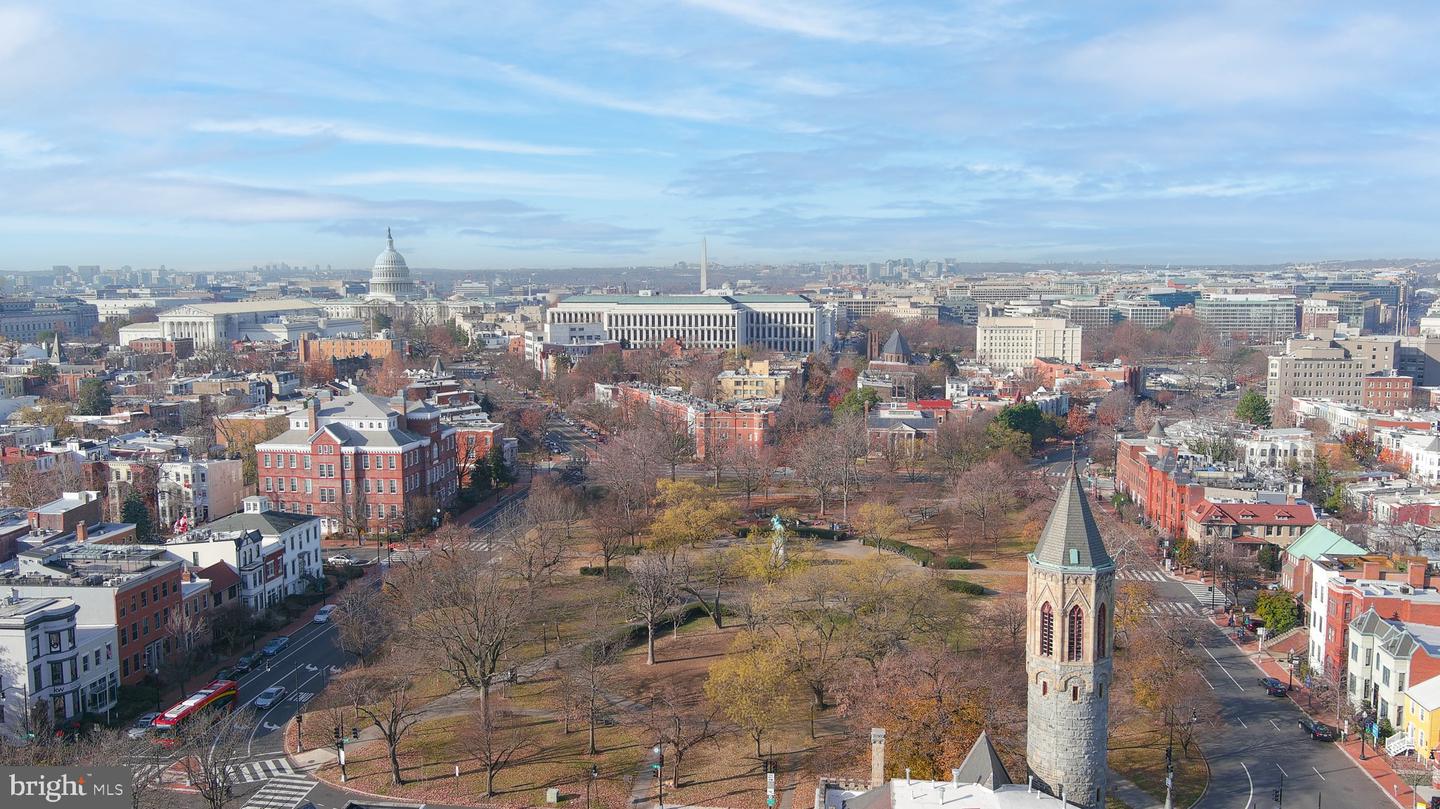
(1376, 764)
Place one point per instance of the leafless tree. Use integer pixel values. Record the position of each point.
(681, 722)
(148, 760)
(818, 464)
(460, 614)
(985, 494)
(363, 621)
(386, 700)
(496, 746)
(586, 676)
(615, 526)
(209, 747)
(655, 582)
(672, 442)
(627, 467)
(190, 634)
(1003, 623)
(752, 467)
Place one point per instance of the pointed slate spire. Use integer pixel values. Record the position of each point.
(1156, 431)
(439, 368)
(982, 765)
(57, 351)
(1071, 537)
(896, 346)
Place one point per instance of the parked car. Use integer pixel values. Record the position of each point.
(246, 663)
(275, 646)
(143, 724)
(323, 614)
(1252, 623)
(1319, 731)
(227, 673)
(270, 697)
(1272, 686)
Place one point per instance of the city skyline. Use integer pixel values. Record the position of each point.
(552, 136)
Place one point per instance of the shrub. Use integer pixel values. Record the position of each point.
(592, 571)
(960, 563)
(915, 553)
(968, 588)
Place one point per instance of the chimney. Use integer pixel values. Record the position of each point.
(1370, 570)
(1416, 574)
(81, 531)
(955, 776)
(877, 757)
(312, 412)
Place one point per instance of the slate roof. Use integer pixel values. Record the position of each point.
(1070, 537)
(268, 523)
(982, 765)
(896, 346)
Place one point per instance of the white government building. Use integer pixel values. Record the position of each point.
(1009, 343)
(791, 324)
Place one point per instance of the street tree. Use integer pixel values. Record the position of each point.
(497, 737)
(190, 636)
(384, 696)
(673, 717)
(209, 748)
(363, 621)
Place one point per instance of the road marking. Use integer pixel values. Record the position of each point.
(1277, 727)
(1317, 772)
(1222, 668)
(1207, 682)
(1241, 721)
(1249, 799)
(1278, 767)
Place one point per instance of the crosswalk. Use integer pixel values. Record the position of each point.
(1180, 609)
(1205, 596)
(284, 791)
(1131, 574)
(261, 770)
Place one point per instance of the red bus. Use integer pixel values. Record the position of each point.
(219, 695)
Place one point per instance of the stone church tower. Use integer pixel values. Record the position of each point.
(1070, 592)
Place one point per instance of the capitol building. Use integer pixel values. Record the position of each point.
(390, 277)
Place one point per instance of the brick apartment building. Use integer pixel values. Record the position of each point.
(360, 462)
(131, 587)
(712, 426)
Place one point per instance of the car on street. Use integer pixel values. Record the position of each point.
(246, 664)
(143, 724)
(270, 697)
(275, 646)
(1252, 623)
(1319, 731)
(340, 560)
(227, 673)
(1272, 686)
(323, 614)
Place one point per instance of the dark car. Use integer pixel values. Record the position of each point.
(246, 663)
(1272, 686)
(1252, 623)
(227, 673)
(275, 646)
(1319, 731)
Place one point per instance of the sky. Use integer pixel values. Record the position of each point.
(213, 135)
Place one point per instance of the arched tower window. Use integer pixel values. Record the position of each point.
(1100, 632)
(1075, 634)
(1047, 629)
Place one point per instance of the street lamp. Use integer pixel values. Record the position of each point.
(659, 768)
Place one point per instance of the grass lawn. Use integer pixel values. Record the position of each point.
(1137, 753)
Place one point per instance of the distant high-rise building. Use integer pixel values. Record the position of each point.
(1008, 343)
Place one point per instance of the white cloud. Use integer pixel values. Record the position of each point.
(358, 133)
(1240, 54)
(22, 150)
(19, 28)
(519, 182)
(694, 105)
(796, 18)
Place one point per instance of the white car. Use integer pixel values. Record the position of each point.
(143, 724)
(270, 697)
(323, 615)
(340, 560)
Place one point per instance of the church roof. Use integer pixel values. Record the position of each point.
(982, 765)
(1156, 431)
(896, 345)
(1070, 537)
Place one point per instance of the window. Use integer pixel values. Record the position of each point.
(392, 461)
(267, 460)
(1075, 634)
(1100, 632)
(1047, 630)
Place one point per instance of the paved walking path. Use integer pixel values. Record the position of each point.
(1132, 796)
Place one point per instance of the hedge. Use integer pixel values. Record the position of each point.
(592, 571)
(921, 556)
(960, 563)
(968, 588)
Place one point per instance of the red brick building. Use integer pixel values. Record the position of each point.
(360, 462)
(711, 425)
(1374, 582)
(1387, 393)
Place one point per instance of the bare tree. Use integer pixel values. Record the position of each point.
(673, 443)
(460, 614)
(615, 526)
(209, 746)
(190, 634)
(678, 722)
(655, 582)
(985, 494)
(496, 748)
(363, 621)
(385, 699)
(1003, 621)
(818, 465)
(627, 467)
(752, 467)
(585, 677)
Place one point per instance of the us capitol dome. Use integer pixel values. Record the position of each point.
(390, 277)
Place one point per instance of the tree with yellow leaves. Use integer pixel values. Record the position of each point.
(1132, 604)
(691, 514)
(754, 688)
(877, 521)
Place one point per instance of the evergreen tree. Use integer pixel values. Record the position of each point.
(94, 398)
(499, 470)
(481, 477)
(1253, 409)
(135, 511)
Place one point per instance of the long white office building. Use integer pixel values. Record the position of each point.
(1008, 343)
(783, 323)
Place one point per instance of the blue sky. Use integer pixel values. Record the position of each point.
(215, 135)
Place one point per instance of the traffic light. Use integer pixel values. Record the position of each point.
(355, 733)
(1277, 797)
